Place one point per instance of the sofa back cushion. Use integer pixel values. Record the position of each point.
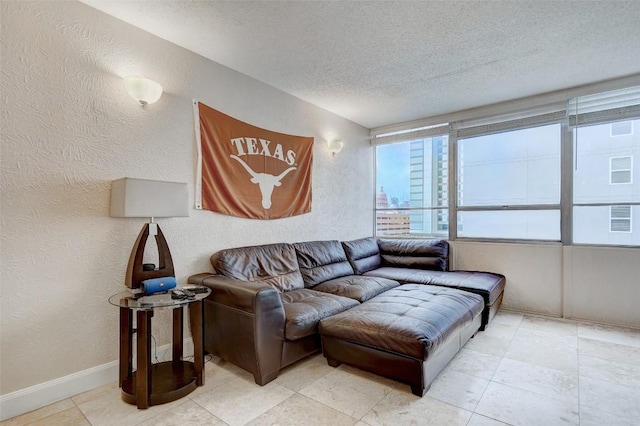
(419, 254)
(321, 261)
(363, 254)
(273, 264)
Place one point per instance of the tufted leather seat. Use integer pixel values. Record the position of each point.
(490, 286)
(304, 308)
(357, 287)
(411, 321)
(423, 262)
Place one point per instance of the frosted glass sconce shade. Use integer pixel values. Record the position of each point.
(143, 90)
(334, 146)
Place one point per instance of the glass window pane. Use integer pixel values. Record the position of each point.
(511, 168)
(610, 225)
(514, 224)
(605, 166)
(412, 223)
(413, 173)
(621, 128)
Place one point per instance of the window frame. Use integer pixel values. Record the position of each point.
(431, 210)
(603, 103)
(501, 127)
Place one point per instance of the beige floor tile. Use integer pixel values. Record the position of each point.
(609, 351)
(544, 381)
(222, 374)
(611, 371)
(551, 325)
(186, 414)
(619, 400)
(71, 417)
(594, 416)
(545, 349)
(39, 414)
(403, 408)
(502, 331)
(300, 410)
(474, 363)
(104, 406)
(478, 420)
(458, 389)
(507, 317)
(520, 407)
(495, 340)
(349, 390)
(238, 402)
(607, 333)
(304, 372)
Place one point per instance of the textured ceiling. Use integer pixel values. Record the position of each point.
(379, 63)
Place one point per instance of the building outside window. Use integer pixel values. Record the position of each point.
(620, 170)
(413, 176)
(511, 184)
(622, 128)
(620, 219)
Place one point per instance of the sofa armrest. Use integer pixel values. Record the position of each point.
(244, 324)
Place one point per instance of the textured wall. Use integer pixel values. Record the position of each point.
(69, 129)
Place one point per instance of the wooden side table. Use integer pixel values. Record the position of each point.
(153, 384)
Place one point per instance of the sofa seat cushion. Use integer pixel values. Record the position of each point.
(304, 308)
(357, 287)
(412, 319)
(489, 285)
(273, 264)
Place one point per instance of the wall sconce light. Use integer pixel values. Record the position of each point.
(334, 146)
(143, 90)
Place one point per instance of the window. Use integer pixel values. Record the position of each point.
(605, 195)
(620, 219)
(413, 195)
(620, 170)
(557, 172)
(622, 128)
(509, 184)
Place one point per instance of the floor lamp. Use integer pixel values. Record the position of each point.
(148, 198)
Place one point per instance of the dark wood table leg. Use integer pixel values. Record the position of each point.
(178, 334)
(143, 369)
(126, 352)
(195, 319)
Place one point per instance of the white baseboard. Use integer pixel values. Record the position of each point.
(38, 396)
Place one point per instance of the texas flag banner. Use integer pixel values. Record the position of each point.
(249, 172)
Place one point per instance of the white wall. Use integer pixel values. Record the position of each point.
(534, 272)
(599, 284)
(69, 129)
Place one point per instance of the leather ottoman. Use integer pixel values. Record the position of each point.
(409, 333)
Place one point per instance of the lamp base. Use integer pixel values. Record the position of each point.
(136, 272)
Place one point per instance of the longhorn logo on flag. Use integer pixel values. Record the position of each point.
(246, 171)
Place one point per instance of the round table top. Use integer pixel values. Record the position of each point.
(127, 299)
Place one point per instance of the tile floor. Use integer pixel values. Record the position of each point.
(524, 370)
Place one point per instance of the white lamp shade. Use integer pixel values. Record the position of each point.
(148, 198)
(143, 90)
(335, 146)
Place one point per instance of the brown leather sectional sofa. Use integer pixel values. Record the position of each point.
(388, 306)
